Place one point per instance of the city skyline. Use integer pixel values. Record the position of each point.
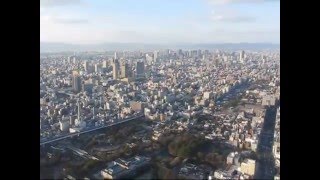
(160, 89)
(190, 21)
(145, 115)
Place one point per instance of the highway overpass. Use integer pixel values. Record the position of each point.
(89, 130)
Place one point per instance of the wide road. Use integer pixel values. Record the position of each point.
(89, 130)
(265, 163)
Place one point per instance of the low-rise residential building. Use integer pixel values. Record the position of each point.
(248, 167)
(121, 168)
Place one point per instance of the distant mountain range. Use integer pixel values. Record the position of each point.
(63, 47)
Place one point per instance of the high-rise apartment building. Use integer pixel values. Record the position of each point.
(115, 69)
(199, 53)
(86, 66)
(155, 56)
(74, 59)
(242, 56)
(115, 55)
(76, 83)
(140, 69)
(125, 70)
(105, 64)
(97, 68)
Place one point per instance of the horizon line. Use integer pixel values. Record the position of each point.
(159, 43)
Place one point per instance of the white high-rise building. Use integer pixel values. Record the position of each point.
(74, 59)
(105, 64)
(86, 65)
(155, 56)
(97, 68)
(242, 56)
(149, 59)
(115, 55)
(79, 111)
(93, 113)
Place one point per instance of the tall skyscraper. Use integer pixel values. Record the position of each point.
(97, 68)
(74, 59)
(224, 58)
(206, 52)
(115, 55)
(242, 56)
(199, 53)
(149, 59)
(124, 70)
(180, 52)
(155, 56)
(105, 64)
(264, 59)
(115, 69)
(86, 65)
(140, 69)
(76, 83)
(167, 52)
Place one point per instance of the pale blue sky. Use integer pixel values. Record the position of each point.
(160, 21)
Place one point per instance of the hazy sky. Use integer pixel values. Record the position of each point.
(160, 21)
